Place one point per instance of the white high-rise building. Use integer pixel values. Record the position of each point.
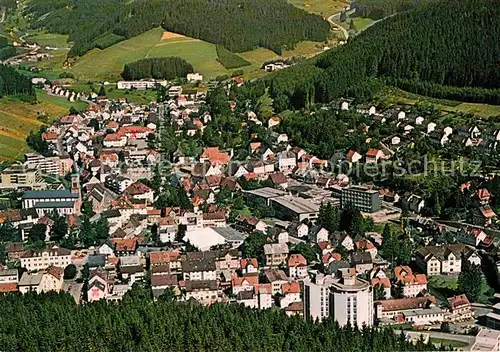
(346, 298)
(351, 300)
(317, 297)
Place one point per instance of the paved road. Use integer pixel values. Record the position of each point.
(336, 17)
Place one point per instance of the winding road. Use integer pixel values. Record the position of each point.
(336, 17)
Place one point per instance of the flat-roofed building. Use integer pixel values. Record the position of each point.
(265, 193)
(364, 199)
(487, 340)
(294, 208)
(22, 175)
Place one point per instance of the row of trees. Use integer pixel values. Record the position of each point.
(13, 83)
(139, 324)
(158, 68)
(238, 26)
(419, 45)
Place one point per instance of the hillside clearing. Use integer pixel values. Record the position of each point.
(107, 64)
(18, 118)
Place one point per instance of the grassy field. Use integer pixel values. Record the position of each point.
(324, 8)
(442, 287)
(450, 343)
(398, 96)
(361, 23)
(18, 118)
(107, 64)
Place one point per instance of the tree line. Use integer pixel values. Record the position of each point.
(139, 324)
(237, 25)
(378, 9)
(13, 83)
(421, 49)
(158, 68)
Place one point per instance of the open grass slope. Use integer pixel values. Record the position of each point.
(107, 64)
(324, 8)
(18, 118)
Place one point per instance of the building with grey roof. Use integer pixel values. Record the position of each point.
(294, 208)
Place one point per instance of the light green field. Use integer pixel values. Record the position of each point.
(49, 39)
(361, 23)
(18, 118)
(324, 8)
(107, 64)
(398, 96)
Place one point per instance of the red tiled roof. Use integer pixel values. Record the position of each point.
(296, 260)
(137, 188)
(134, 130)
(47, 136)
(406, 303)
(246, 261)
(483, 194)
(113, 137)
(125, 244)
(404, 274)
(278, 178)
(108, 156)
(252, 280)
(6, 287)
(457, 301)
(364, 244)
(335, 256)
(372, 152)
(219, 215)
(156, 258)
(290, 287)
(384, 281)
(215, 156)
(56, 272)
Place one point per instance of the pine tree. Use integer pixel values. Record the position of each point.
(470, 280)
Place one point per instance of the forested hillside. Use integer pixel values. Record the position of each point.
(157, 68)
(52, 322)
(12, 83)
(377, 9)
(451, 44)
(237, 25)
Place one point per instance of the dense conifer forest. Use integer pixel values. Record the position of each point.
(378, 9)
(157, 68)
(451, 45)
(52, 322)
(237, 25)
(13, 83)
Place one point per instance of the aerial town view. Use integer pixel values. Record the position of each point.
(248, 175)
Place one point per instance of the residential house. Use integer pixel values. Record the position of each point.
(353, 156)
(249, 266)
(203, 291)
(246, 283)
(40, 259)
(318, 234)
(373, 155)
(297, 266)
(286, 161)
(460, 308)
(199, 269)
(483, 216)
(471, 236)
(250, 224)
(445, 259)
(298, 229)
(276, 277)
(413, 284)
(275, 253)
